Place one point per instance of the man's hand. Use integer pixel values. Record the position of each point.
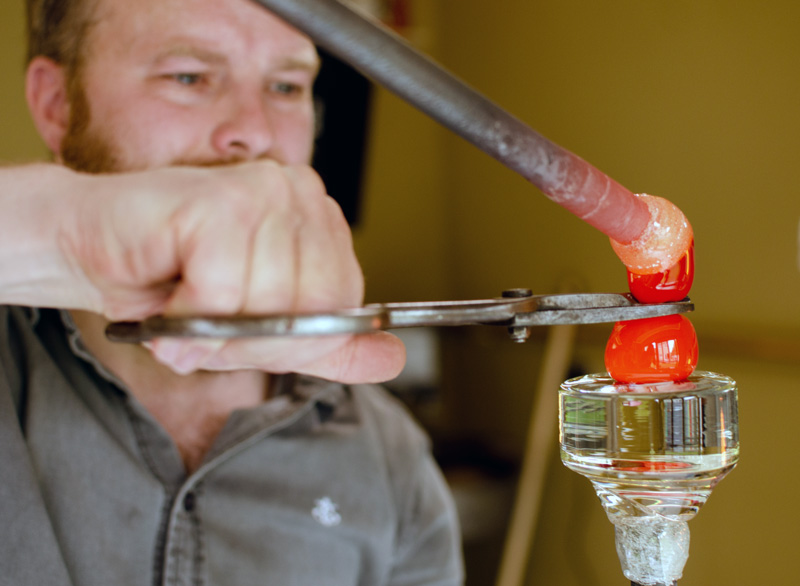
(253, 238)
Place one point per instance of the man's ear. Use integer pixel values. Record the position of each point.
(48, 100)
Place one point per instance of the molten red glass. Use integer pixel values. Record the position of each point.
(650, 350)
(670, 285)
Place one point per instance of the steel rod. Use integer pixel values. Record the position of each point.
(388, 60)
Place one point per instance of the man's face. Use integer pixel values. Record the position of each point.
(190, 82)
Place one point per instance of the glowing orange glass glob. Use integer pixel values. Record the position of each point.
(664, 287)
(652, 350)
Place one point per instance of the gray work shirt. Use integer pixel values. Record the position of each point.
(323, 484)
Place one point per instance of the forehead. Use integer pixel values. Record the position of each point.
(235, 28)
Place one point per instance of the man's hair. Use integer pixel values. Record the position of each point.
(57, 29)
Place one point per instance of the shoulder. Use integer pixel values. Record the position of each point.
(427, 547)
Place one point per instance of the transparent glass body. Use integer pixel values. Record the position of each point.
(653, 452)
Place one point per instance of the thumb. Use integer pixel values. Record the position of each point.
(366, 358)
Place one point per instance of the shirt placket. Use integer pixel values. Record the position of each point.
(184, 561)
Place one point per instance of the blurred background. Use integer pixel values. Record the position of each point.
(696, 101)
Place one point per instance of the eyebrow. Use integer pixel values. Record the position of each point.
(299, 63)
(289, 63)
(190, 51)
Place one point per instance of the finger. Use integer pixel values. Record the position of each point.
(271, 285)
(214, 255)
(329, 276)
(369, 358)
(274, 354)
(366, 358)
(184, 356)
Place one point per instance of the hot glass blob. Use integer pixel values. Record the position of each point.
(653, 349)
(666, 286)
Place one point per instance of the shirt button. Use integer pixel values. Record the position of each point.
(189, 502)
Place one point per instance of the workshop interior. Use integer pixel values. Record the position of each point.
(696, 102)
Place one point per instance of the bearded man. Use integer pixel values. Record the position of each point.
(181, 132)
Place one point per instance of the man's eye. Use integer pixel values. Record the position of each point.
(288, 89)
(187, 78)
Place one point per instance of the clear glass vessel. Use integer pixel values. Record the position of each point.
(653, 452)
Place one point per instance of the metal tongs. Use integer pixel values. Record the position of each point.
(517, 309)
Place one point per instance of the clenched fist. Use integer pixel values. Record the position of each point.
(247, 239)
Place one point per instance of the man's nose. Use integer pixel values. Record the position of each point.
(246, 132)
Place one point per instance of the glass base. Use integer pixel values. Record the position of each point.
(653, 453)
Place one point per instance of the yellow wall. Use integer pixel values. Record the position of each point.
(697, 101)
(18, 140)
(401, 242)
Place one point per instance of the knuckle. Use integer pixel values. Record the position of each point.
(306, 182)
(313, 181)
(335, 214)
